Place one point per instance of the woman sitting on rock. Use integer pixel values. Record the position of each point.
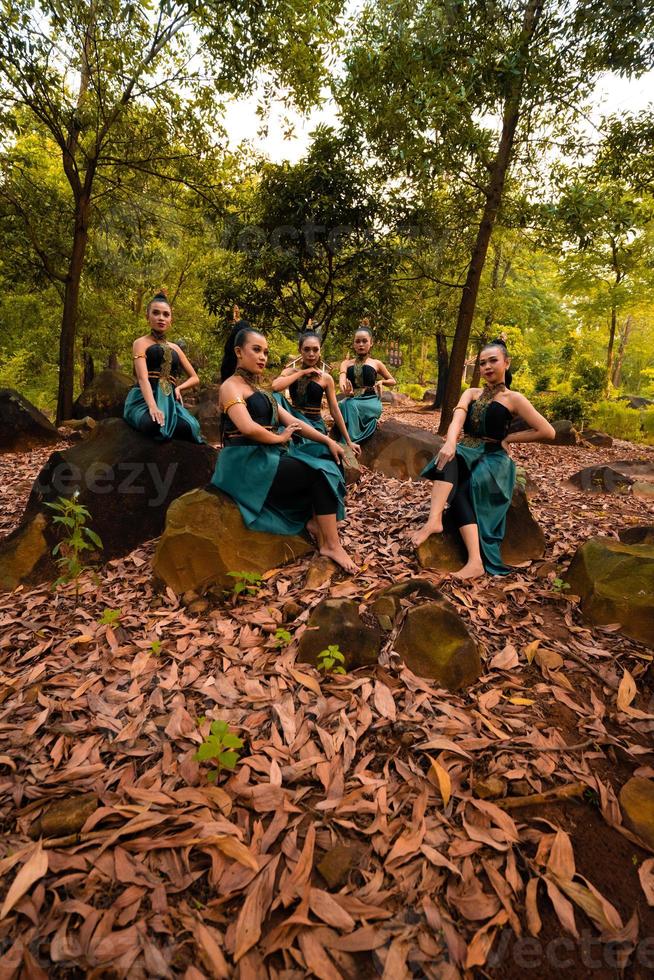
(361, 379)
(307, 384)
(278, 487)
(154, 406)
(475, 477)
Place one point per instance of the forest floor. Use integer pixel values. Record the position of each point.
(175, 876)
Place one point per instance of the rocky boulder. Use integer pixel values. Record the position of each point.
(615, 582)
(202, 402)
(637, 805)
(565, 432)
(205, 539)
(337, 622)
(602, 440)
(434, 642)
(22, 425)
(429, 395)
(105, 396)
(642, 534)
(524, 539)
(399, 450)
(387, 604)
(125, 481)
(636, 401)
(621, 476)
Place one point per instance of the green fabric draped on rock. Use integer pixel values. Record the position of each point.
(246, 473)
(315, 421)
(361, 414)
(136, 408)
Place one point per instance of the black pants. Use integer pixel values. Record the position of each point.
(460, 511)
(297, 479)
(151, 428)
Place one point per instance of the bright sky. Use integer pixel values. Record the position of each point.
(613, 95)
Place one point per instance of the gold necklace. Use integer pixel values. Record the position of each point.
(253, 380)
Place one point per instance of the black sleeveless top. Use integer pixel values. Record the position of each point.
(367, 377)
(309, 399)
(260, 410)
(154, 356)
(493, 423)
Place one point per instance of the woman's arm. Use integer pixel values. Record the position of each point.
(448, 449)
(343, 381)
(139, 348)
(339, 421)
(289, 375)
(309, 432)
(387, 377)
(246, 425)
(192, 380)
(539, 428)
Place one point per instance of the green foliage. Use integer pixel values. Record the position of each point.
(155, 648)
(220, 746)
(247, 583)
(331, 660)
(76, 539)
(109, 617)
(647, 423)
(412, 390)
(575, 408)
(542, 383)
(589, 379)
(618, 420)
(282, 637)
(558, 585)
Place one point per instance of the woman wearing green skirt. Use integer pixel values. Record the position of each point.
(361, 378)
(154, 406)
(278, 486)
(308, 384)
(474, 478)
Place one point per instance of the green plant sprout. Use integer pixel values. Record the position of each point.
(246, 582)
(155, 648)
(221, 746)
(559, 585)
(109, 617)
(282, 637)
(331, 660)
(71, 517)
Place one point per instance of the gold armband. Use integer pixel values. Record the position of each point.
(460, 408)
(136, 356)
(234, 401)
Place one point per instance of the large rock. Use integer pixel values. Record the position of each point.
(523, 541)
(387, 604)
(565, 433)
(22, 426)
(202, 402)
(636, 401)
(637, 804)
(336, 622)
(126, 482)
(399, 450)
(105, 397)
(396, 399)
(205, 539)
(641, 534)
(434, 642)
(620, 476)
(602, 440)
(615, 582)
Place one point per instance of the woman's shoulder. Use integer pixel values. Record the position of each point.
(230, 388)
(142, 342)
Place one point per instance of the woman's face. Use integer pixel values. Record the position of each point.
(253, 355)
(493, 363)
(362, 342)
(310, 351)
(159, 316)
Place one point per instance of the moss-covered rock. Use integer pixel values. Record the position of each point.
(640, 534)
(615, 582)
(399, 450)
(23, 551)
(205, 539)
(435, 642)
(387, 603)
(637, 804)
(337, 622)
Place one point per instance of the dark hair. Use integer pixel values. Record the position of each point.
(158, 298)
(498, 342)
(305, 335)
(236, 339)
(363, 329)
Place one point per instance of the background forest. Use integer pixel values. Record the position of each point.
(461, 192)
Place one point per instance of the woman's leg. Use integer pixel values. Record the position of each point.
(474, 567)
(183, 431)
(464, 517)
(444, 488)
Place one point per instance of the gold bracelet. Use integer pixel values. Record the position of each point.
(460, 408)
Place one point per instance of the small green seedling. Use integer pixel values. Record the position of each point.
(155, 648)
(246, 582)
(221, 746)
(282, 637)
(331, 660)
(77, 538)
(109, 617)
(559, 585)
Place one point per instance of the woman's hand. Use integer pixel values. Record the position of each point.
(346, 387)
(355, 447)
(307, 372)
(288, 432)
(178, 395)
(505, 446)
(335, 448)
(157, 415)
(446, 454)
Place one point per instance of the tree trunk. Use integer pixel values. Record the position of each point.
(624, 340)
(609, 353)
(112, 362)
(494, 193)
(88, 367)
(476, 371)
(442, 360)
(69, 316)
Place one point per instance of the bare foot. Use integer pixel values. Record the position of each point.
(472, 569)
(424, 532)
(339, 555)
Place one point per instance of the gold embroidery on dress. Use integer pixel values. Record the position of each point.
(165, 385)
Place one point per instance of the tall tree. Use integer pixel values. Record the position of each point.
(117, 85)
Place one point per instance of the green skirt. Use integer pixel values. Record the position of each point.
(492, 478)
(246, 474)
(136, 410)
(361, 414)
(316, 422)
